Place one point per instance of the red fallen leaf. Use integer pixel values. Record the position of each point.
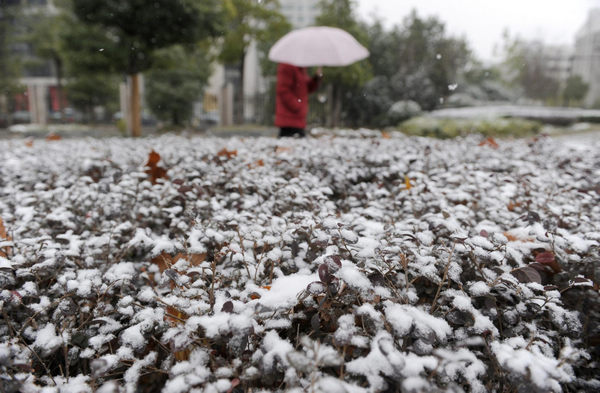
(484, 233)
(254, 296)
(3, 236)
(229, 154)
(513, 238)
(512, 205)
(256, 164)
(547, 258)
(53, 137)
(153, 159)
(489, 141)
(154, 171)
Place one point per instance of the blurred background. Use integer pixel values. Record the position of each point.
(436, 67)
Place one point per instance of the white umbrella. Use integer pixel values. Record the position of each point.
(317, 46)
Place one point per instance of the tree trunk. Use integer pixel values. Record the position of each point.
(136, 118)
(59, 89)
(240, 96)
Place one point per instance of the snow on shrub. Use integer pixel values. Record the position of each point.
(354, 262)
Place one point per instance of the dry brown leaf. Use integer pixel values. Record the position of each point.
(3, 236)
(154, 171)
(386, 135)
(153, 159)
(513, 238)
(164, 261)
(256, 164)
(489, 141)
(53, 137)
(229, 154)
(512, 205)
(193, 259)
(29, 143)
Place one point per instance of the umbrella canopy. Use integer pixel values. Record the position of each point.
(317, 46)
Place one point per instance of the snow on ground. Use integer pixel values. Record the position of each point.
(345, 263)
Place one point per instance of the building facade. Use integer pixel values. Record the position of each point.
(218, 100)
(300, 13)
(40, 100)
(586, 60)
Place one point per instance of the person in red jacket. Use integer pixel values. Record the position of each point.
(291, 100)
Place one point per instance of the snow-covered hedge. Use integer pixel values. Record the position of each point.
(329, 264)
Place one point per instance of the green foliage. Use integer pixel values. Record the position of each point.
(526, 63)
(93, 89)
(176, 82)
(415, 61)
(575, 90)
(10, 69)
(428, 61)
(134, 29)
(345, 82)
(247, 21)
(451, 128)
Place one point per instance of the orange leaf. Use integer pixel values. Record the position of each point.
(547, 258)
(256, 163)
(254, 296)
(512, 205)
(513, 238)
(164, 261)
(153, 159)
(489, 141)
(267, 287)
(154, 171)
(53, 137)
(29, 143)
(407, 182)
(3, 236)
(229, 154)
(385, 135)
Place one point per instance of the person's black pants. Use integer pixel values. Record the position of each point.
(291, 132)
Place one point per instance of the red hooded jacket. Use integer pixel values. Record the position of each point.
(291, 102)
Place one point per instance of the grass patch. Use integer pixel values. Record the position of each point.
(451, 128)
